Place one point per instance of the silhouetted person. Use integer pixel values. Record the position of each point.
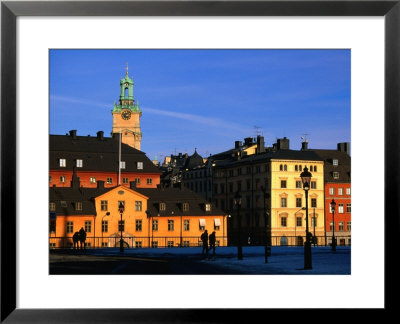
(211, 240)
(204, 239)
(82, 237)
(75, 239)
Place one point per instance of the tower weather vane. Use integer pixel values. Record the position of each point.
(126, 68)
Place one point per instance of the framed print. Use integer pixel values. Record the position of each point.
(374, 42)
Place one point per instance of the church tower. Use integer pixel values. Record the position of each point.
(126, 115)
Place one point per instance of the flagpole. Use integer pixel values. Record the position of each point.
(119, 158)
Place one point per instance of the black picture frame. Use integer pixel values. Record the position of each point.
(10, 10)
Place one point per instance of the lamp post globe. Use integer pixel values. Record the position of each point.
(306, 180)
(121, 209)
(333, 209)
(238, 204)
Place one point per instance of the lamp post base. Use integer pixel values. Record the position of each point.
(240, 254)
(121, 246)
(307, 256)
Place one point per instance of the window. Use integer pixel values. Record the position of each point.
(230, 187)
(185, 207)
(341, 208)
(314, 202)
(138, 224)
(283, 202)
(335, 175)
(186, 243)
(104, 205)
(285, 167)
(258, 169)
(217, 224)
(348, 191)
(281, 167)
(349, 226)
(230, 172)
(149, 181)
(283, 183)
(62, 179)
(50, 178)
(331, 226)
(248, 170)
(313, 184)
(122, 164)
(222, 187)
(340, 191)
(313, 222)
(208, 207)
(63, 203)
(170, 244)
(92, 180)
(155, 225)
(125, 180)
(315, 168)
(121, 225)
(298, 202)
(186, 225)
(283, 221)
(332, 191)
(162, 206)
(138, 244)
(299, 221)
(137, 180)
(138, 205)
(104, 226)
(311, 168)
(78, 205)
(63, 163)
(335, 162)
(70, 227)
(348, 208)
(298, 184)
(52, 206)
(296, 168)
(341, 226)
(154, 244)
(140, 165)
(202, 224)
(88, 226)
(79, 163)
(170, 224)
(109, 181)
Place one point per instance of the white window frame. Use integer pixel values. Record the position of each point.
(348, 191)
(79, 163)
(332, 191)
(335, 162)
(63, 163)
(340, 208)
(140, 165)
(208, 207)
(122, 164)
(340, 191)
(92, 179)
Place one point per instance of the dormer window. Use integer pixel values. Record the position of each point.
(185, 206)
(122, 164)
(63, 203)
(140, 165)
(162, 206)
(78, 205)
(335, 162)
(208, 207)
(79, 163)
(335, 175)
(63, 163)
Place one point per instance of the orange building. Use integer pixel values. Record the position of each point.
(98, 159)
(162, 217)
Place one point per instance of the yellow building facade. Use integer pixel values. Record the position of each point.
(288, 214)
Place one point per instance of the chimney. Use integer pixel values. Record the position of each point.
(248, 141)
(238, 144)
(132, 185)
(72, 133)
(304, 145)
(100, 135)
(283, 144)
(100, 184)
(75, 182)
(344, 147)
(260, 144)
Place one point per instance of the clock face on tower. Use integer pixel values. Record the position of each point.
(126, 114)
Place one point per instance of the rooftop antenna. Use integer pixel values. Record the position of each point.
(257, 130)
(304, 138)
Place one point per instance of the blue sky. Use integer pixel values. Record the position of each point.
(206, 99)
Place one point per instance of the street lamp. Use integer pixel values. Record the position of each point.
(107, 214)
(121, 209)
(314, 220)
(238, 204)
(306, 179)
(333, 207)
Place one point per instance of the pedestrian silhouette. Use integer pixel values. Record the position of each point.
(82, 237)
(75, 239)
(211, 239)
(204, 239)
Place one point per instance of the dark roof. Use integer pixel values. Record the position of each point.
(72, 195)
(97, 153)
(194, 161)
(343, 167)
(174, 198)
(267, 156)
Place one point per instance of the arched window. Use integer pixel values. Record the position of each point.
(126, 92)
(281, 167)
(311, 168)
(300, 167)
(315, 168)
(284, 241)
(296, 168)
(285, 167)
